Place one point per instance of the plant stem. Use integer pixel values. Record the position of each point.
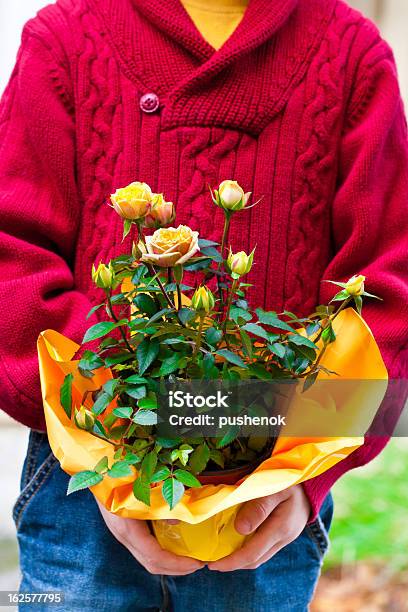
(179, 304)
(225, 233)
(199, 335)
(115, 318)
(229, 303)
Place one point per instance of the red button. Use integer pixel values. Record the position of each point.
(149, 103)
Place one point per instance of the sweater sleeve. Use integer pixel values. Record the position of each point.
(39, 215)
(370, 234)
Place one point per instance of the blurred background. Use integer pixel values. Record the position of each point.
(366, 569)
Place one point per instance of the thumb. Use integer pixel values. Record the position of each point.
(255, 512)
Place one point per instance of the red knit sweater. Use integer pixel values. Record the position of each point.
(301, 106)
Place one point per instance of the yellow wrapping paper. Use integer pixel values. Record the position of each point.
(206, 528)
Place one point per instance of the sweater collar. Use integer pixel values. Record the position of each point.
(261, 20)
(181, 65)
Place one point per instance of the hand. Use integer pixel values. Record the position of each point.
(136, 537)
(278, 519)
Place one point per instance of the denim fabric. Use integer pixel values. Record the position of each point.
(65, 546)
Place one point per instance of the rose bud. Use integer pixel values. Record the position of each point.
(355, 285)
(240, 263)
(132, 202)
(203, 300)
(103, 276)
(161, 213)
(84, 419)
(169, 247)
(231, 196)
(138, 250)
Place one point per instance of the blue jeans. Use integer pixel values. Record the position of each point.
(66, 547)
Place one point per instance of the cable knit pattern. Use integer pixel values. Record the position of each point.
(301, 106)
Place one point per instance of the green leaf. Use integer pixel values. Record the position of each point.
(94, 309)
(161, 474)
(168, 442)
(202, 242)
(328, 334)
(131, 458)
(217, 457)
(172, 491)
(120, 469)
(83, 480)
(231, 357)
(246, 343)
(127, 224)
(259, 371)
(135, 392)
(186, 314)
(145, 304)
(171, 364)
(212, 252)
(158, 315)
(121, 357)
(228, 437)
(208, 365)
(341, 296)
(101, 403)
(213, 336)
(145, 417)
(146, 353)
(148, 403)
(197, 263)
(98, 331)
(90, 361)
(135, 379)
(110, 386)
(358, 300)
(187, 478)
(139, 274)
(277, 349)
(302, 341)
(199, 458)
(101, 466)
(149, 465)
(257, 330)
(306, 352)
(123, 412)
(272, 319)
(100, 430)
(141, 490)
(309, 380)
(239, 313)
(66, 395)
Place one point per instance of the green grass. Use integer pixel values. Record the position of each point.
(371, 511)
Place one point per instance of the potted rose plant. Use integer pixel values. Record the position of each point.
(159, 328)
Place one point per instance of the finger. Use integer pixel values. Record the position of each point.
(255, 512)
(265, 539)
(267, 556)
(144, 546)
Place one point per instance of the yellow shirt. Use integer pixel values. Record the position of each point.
(215, 19)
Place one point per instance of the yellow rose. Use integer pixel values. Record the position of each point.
(161, 212)
(84, 419)
(231, 196)
(132, 202)
(355, 285)
(203, 300)
(240, 263)
(103, 276)
(171, 246)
